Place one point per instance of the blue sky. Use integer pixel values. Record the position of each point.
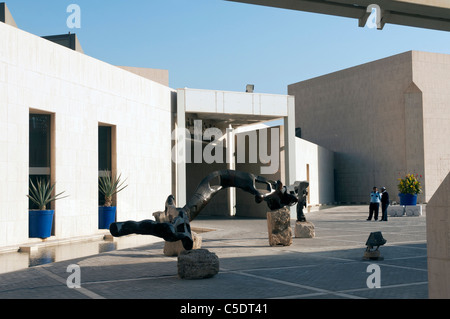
(216, 44)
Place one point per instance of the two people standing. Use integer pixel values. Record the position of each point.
(376, 199)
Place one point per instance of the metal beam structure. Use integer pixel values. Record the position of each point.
(428, 14)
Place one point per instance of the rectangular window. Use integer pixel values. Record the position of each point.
(105, 153)
(104, 148)
(40, 139)
(39, 148)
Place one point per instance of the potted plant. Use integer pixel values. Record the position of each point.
(409, 187)
(108, 186)
(40, 220)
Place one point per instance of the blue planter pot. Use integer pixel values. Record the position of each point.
(40, 223)
(106, 216)
(408, 199)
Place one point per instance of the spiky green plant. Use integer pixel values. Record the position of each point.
(41, 193)
(109, 186)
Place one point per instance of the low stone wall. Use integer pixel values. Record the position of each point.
(399, 211)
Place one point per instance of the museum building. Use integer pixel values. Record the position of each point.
(383, 119)
(69, 118)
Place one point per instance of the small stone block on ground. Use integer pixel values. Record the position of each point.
(197, 264)
(304, 230)
(108, 237)
(279, 227)
(175, 248)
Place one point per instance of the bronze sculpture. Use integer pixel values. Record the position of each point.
(175, 224)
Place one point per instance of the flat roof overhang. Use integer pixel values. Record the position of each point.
(235, 108)
(428, 14)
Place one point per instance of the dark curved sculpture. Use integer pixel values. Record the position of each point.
(175, 223)
(180, 229)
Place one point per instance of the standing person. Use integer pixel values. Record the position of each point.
(374, 205)
(384, 204)
(301, 203)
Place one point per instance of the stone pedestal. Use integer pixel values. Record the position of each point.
(304, 230)
(197, 264)
(372, 255)
(279, 227)
(175, 248)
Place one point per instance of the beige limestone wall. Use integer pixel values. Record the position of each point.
(359, 114)
(383, 119)
(431, 73)
(438, 242)
(80, 92)
(156, 75)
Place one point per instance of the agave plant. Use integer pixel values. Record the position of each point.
(109, 186)
(41, 193)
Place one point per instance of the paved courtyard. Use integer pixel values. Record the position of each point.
(327, 266)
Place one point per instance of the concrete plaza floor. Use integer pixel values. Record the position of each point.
(327, 266)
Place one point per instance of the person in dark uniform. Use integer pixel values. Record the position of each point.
(374, 205)
(384, 204)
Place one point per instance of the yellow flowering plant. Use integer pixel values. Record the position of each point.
(410, 184)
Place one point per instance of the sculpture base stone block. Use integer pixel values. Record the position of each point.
(304, 230)
(279, 227)
(372, 255)
(197, 264)
(175, 248)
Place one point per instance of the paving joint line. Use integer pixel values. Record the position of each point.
(287, 283)
(371, 261)
(387, 287)
(128, 279)
(81, 290)
(350, 290)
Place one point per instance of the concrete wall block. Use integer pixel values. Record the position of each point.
(396, 211)
(413, 210)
